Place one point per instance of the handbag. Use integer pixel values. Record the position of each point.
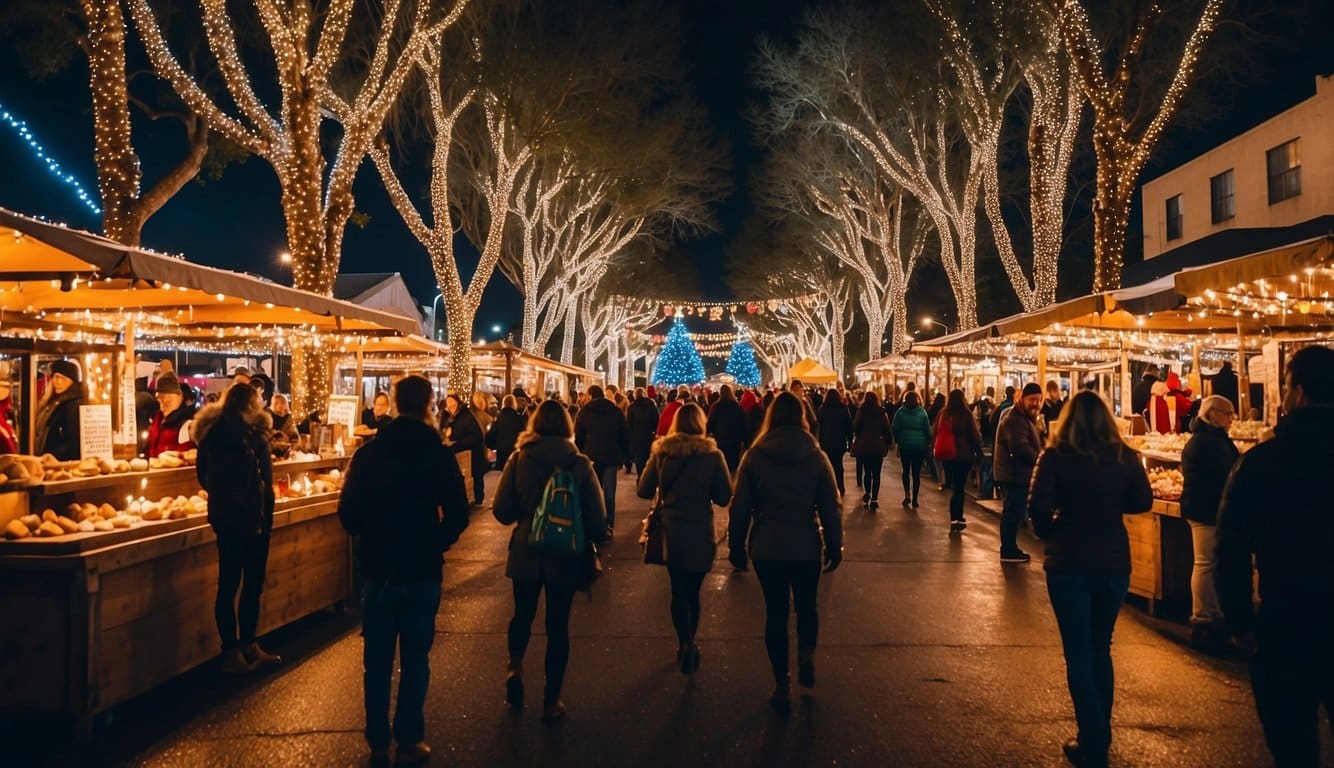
(944, 448)
(653, 536)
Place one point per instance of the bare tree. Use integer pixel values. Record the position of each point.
(46, 34)
(315, 77)
(1134, 99)
(893, 113)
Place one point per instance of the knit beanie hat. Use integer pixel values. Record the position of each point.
(168, 384)
(1032, 388)
(67, 369)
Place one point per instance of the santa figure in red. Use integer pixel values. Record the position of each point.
(1168, 407)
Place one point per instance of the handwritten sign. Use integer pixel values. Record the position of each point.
(95, 435)
(346, 410)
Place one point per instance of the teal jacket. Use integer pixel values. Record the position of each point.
(912, 429)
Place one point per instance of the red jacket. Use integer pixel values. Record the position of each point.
(668, 413)
(9, 441)
(164, 433)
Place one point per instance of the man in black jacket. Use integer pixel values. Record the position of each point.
(1276, 508)
(405, 501)
(601, 434)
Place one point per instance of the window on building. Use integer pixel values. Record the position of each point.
(1285, 172)
(1222, 195)
(1174, 217)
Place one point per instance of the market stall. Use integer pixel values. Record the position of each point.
(107, 557)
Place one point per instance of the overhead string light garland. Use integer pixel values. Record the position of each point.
(21, 128)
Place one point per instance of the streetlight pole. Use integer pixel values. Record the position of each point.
(927, 322)
(435, 317)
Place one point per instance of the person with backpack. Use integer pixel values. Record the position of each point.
(550, 493)
(912, 431)
(405, 501)
(870, 443)
(958, 446)
(687, 474)
(235, 467)
(785, 516)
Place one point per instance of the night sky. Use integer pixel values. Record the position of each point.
(236, 222)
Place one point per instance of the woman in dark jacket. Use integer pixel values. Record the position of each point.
(1085, 481)
(547, 445)
(870, 443)
(912, 431)
(463, 433)
(235, 467)
(57, 428)
(641, 420)
(958, 420)
(505, 430)
(835, 433)
(729, 427)
(1206, 462)
(691, 475)
(933, 415)
(785, 515)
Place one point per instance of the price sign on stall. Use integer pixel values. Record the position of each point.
(95, 434)
(345, 409)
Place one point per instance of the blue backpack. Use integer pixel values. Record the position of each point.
(558, 523)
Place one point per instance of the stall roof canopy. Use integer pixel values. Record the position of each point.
(69, 275)
(378, 290)
(808, 370)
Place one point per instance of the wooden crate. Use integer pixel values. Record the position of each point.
(1145, 556)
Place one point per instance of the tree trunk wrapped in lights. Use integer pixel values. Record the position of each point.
(1127, 122)
(310, 65)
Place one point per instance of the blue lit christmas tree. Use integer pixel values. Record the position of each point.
(741, 364)
(679, 362)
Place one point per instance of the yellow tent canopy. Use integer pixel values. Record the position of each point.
(809, 371)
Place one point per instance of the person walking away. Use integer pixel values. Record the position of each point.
(164, 433)
(642, 425)
(601, 434)
(870, 443)
(729, 427)
(545, 447)
(986, 408)
(807, 405)
(933, 466)
(835, 434)
(859, 466)
(1085, 481)
(1276, 509)
(505, 430)
(675, 399)
(754, 410)
(912, 431)
(689, 474)
(1017, 447)
(785, 516)
(1001, 410)
(57, 429)
(1206, 462)
(404, 499)
(956, 420)
(235, 467)
(463, 433)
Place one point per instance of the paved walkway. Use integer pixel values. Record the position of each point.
(931, 654)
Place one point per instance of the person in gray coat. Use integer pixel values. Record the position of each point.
(690, 473)
(548, 444)
(785, 515)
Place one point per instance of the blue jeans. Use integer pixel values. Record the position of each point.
(1086, 609)
(397, 617)
(607, 477)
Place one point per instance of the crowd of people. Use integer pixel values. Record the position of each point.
(774, 458)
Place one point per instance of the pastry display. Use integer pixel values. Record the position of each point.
(1247, 430)
(1166, 483)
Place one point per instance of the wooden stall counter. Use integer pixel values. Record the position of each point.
(93, 620)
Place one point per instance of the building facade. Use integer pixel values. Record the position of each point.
(1278, 174)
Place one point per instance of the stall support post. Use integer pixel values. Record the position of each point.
(926, 384)
(1125, 383)
(1195, 367)
(361, 367)
(1042, 363)
(949, 374)
(509, 373)
(1243, 377)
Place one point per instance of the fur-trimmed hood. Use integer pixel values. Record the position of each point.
(681, 445)
(209, 416)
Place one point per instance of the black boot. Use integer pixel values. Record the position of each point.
(1085, 755)
(806, 667)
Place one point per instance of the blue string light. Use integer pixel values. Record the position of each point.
(21, 128)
